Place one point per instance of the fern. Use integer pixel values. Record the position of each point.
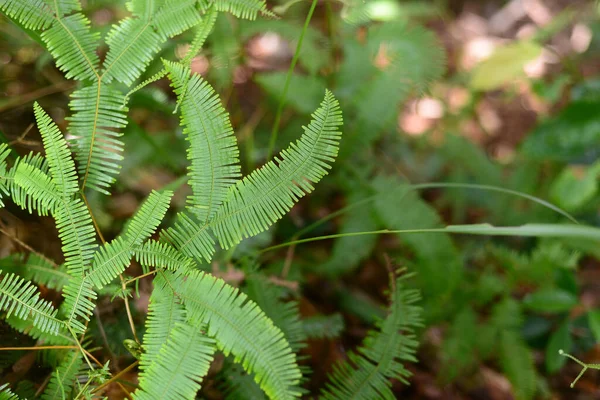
(264, 196)
(33, 14)
(20, 298)
(175, 17)
(147, 218)
(62, 381)
(79, 303)
(243, 331)
(382, 353)
(247, 9)
(17, 193)
(161, 255)
(36, 268)
(6, 393)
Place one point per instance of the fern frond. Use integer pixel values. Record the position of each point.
(164, 312)
(237, 384)
(6, 393)
(98, 116)
(175, 17)
(213, 148)
(243, 331)
(79, 303)
(147, 218)
(4, 152)
(144, 9)
(36, 268)
(383, 352)
(62, 167)
(204, 29)
(77, 235)
(62, 381)
(247, 9)
(33, 14)
(20, 297)
(268, 193)
(26, 327)
(39, 186)
(132, 45)
(73, 46)
(190, 238)
(17, 193)
(109, 261)
(518, 364)
(181, 363)
(161, 255)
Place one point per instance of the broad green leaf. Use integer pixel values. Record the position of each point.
(560, 340)
(575, 186)
(550, 301)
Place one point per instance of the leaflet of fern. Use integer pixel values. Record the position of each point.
(243, 331)
(33, 14)
(36, 268)
(191, 238)
(38, 185)
(181, 363)
(144, 9)
(18, 194)
(98, 116)
(381, 357)
(79, 303)
(161, 255)
(63, 7)
(21, 298)
(109, 261)
(73, 46)
(263, 197)
(62, 382)
(132, 45)
(175, 17)
(247, 9)
(213, 148)
(58, 155)
(147, 218)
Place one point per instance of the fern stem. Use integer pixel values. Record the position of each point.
(288, 78)
(129, 316)
(83, 352)
(127, 282)
(117, 376)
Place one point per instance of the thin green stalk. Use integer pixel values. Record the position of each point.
(288, 78)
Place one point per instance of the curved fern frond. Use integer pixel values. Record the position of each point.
(62, 382)
(263, 197)
(243, 330)
(161, 255)
(73, 46)
(20, 297)
(33, 14)
(323, 326)
(17, 193)
(164, 312)
(79, 303)
(109, 261)
(62, 167)
(36, 268)
(147, 218)
(77, 234)
(38, 185)
(63, 7)
(247, 9)
(384, 350)
(213, 148)
(204, 29)
(26, 327)
(6, 393)
(132, 45)
(175, 17)
(181, 363)
(144, 9)
(99, 114)
(190, 238)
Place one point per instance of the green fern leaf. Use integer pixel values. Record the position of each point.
(204, 29)
(243, 331)
(35, 268)
(109, 261)
(247, 9)
(79, 303)
(147, 218)
(175, 17)
(161, 255)
(33, 14)
(62, 338)
(132, 45)
(213, 147)
(4, 153)
(164, 312)
(323, 326)
(62, 167)
(62, 381)
(73, 46)
(38, 185)
(98, 115)
(144, 9)
(268, 193)
(19, 297)
(190, 238)
(516, 360)
(20, 195)
(6, 393)
(181, 363)
(383, 352)
(77, 234)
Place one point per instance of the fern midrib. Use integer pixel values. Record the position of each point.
(93, 137)
(146, 25)
(72, 314)
(56, 394)
(107, 263)
(131, 242)
(57, 18)
(250, 343)
(301, 166)
(72, 225)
